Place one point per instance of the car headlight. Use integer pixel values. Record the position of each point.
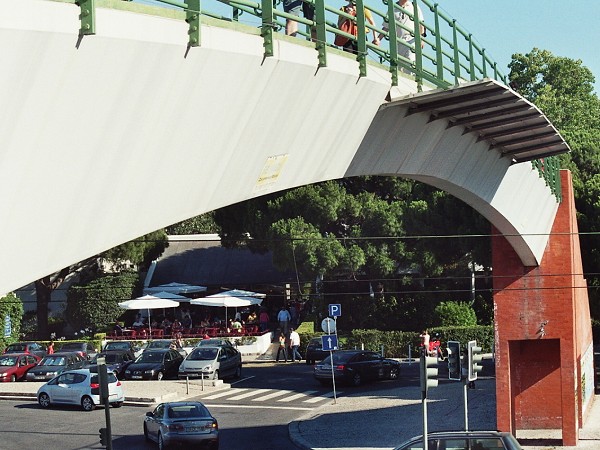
(208, 368)
(3, 374)
(51, 374)
(150, 372)
(128, 371)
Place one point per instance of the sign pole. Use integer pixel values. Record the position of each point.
(332, 371)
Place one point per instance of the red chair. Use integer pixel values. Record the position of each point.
(158, 332)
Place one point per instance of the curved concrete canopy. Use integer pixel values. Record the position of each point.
(125, 132)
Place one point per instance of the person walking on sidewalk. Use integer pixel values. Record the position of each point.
(295, 344)
(284, 320)
(282, 347)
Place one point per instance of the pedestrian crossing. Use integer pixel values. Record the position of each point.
(249, 396)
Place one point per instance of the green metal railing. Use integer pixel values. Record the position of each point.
(444, 56)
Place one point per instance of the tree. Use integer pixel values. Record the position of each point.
(94, 305)
(563, 89)
(10, 306)
(140, 252)
(202, 224)
(455, 314)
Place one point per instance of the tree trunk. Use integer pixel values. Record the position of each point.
(43, 292)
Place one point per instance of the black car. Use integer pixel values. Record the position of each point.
(85, 349)
(463, 440)
(33, 348)
(122, 346)
(52, 365)
(154, 364)
(355, 366)
(116, 361)
(315, 352)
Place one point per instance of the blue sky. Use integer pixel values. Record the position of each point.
(503, 27)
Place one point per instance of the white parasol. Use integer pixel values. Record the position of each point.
(175, 288)
(149, 302)
(230, 299)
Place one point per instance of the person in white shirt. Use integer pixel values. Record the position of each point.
(403, 33)
(295, 344)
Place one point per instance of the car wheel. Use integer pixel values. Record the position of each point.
(117, 404)
(161, 442)
(13, 378)
(146, 436)
(238, 372)
(356, 379)
(160, 376)
(216, 375)
(87, 403)
(394, 373)
(44, 400)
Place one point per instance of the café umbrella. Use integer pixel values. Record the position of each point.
(175, 288)
(230, 299)
(149, 302)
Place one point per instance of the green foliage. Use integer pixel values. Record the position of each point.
(140, 251)
(458, 314)
(203, 224)
(11, 306)
(95, 305)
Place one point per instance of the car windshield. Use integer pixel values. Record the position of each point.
(16, 348)
(158, 344)
(187, 411)
(110, 377)
(203, 354)
(209, 342)
(8, 360)
(110, 358)
(147, 357)
(72, 346)
(117, 346)
(53, 361)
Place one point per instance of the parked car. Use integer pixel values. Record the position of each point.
(116, 361)
(34, 348)
(52, 365)
(85, 349)
(314, 351)
(188, 423)
(215, 342)
(211, 363)
(123, 345)
(463, 440)
(154, 364)
(80, 387)
(14, 366)
(356, 366)
(163, 343)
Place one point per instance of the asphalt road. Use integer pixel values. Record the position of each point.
(257, 409)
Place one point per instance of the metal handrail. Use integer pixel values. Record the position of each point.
(445, 57)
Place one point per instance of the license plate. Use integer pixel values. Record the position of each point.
(136, 377)
(193, 429)
(40, 377)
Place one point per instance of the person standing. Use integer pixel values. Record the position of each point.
(51, 348)
(425, 338)
(406, 31)
(295, 345)
(282, 347)
(263, 320)
(284, 320)
(292, 7)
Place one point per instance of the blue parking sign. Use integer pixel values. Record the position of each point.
(335, 310)
(329, 342)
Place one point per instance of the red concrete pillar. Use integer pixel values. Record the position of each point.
(542, 327)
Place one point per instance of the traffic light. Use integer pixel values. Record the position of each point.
(103, 436)
(429, 373)
(474, 360)
(454, 360)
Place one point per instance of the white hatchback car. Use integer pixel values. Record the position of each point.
(80, 387)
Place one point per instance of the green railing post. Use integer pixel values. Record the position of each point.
(418, 49)
(471, 58)
(87, 16)
(361, 38)
(266, 30)
(192, 17)
(393, 39)
(321, 34)
(439, 62)
(483, 66)
(456, 53)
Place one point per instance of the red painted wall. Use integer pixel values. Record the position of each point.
(538, 375)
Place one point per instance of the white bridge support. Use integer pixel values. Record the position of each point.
(109, 137)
